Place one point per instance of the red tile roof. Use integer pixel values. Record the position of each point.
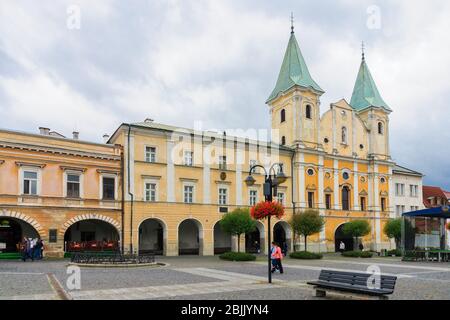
(430, 191)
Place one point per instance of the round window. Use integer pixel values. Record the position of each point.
(383, 179)
(345, 175)
(326, 140)
(328, 175)
(361, 146)
(363, 179)
(310, 172)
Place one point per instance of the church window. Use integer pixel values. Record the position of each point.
(308, 112)
(344, 135)
(345, 198)
(380, 128)
(326, 140)
(283, 115)
(310, 172)
(345, 175)
(283, 140)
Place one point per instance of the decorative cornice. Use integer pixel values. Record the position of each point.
(108, 171)
(311, 187)
(58, 151)
(363, 193)
(188, 180)
(30, 164)
(66, 168)
(150, 177)
(384, 194)
(328, 190)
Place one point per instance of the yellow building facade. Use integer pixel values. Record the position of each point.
(58, 189)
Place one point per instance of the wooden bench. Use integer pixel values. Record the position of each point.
(353, 283)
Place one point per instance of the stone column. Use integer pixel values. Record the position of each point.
(301, 180)
(355, 187)
(336, 184)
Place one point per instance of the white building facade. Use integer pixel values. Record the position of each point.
(406, 191)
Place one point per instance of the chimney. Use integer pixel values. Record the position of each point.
(75, 135)
(148, 120)
(105, 138)
(44, 131)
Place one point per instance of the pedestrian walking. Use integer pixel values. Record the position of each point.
(25, 247)
(276, 256)
(38, 249)
(361, 246)
(342, 247)
(285, 249)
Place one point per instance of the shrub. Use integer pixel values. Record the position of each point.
(395, 252)
(365, 254)
(237, 256)
(357, 254)
(306, 255)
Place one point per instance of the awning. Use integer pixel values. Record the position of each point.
(439, 212)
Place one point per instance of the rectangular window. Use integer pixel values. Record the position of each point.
(383, 204)
(188, 194)
(253, 197)
(150, 154)
(253, 163)
(188, 158)
(109, 188)
(281, 198)
(328, 201)
(414, 191)
(30, 182)
(363, 204)
(150, 192)
(310, 199)
(399, 189)
(222, 162)
(73, 186)
(223, 196)
(398, 210)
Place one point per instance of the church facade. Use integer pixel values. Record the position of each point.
(179, 182)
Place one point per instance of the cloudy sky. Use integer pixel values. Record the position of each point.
(182, 61)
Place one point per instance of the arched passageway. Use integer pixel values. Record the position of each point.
(190, 237)
(339, 236)
(222, 240)
(91, 235)
(12, 231)
(152, 237)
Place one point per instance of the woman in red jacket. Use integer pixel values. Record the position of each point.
(276, 258)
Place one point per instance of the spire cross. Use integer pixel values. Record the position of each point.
(362, 49)
(292, 22)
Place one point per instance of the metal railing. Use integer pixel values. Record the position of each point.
(111, 258)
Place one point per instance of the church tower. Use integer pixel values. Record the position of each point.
(295, 101)
(372, 109)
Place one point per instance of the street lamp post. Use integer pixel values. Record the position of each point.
(271, 182)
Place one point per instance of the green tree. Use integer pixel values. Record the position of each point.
(307, 223)
(238, 222)
(357, 229)
(393, 230)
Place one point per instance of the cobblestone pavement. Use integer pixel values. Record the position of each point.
(201, 278)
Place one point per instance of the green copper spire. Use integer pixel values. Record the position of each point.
(365, 93)
(293, 71)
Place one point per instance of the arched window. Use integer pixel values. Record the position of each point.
(380, 128)
(283, 115)
(344, 135)
(308, 112)
(345, 198)
(283, 140)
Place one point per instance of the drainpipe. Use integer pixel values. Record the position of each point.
(292, 182)
(129, 191)
(122, 169)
